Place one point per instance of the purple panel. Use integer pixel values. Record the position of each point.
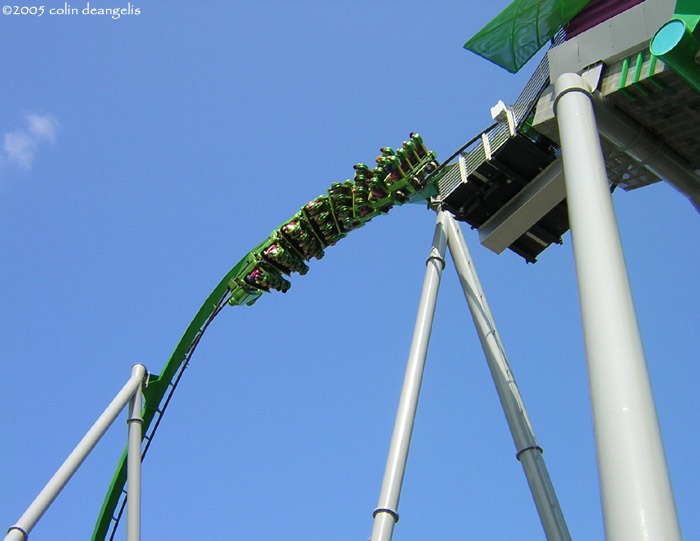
(596, 12)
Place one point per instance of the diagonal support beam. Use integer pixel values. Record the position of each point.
(528, 452)
(386, 514)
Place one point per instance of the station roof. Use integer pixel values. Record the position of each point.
(522, 29)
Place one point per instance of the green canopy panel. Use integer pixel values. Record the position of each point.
(688, 11)
(520, 30)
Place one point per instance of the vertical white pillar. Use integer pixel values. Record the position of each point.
(386, 514)
(133, 462)
(635, 487)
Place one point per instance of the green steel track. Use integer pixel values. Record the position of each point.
(408, 174)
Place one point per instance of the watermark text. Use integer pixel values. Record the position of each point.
(68, 10)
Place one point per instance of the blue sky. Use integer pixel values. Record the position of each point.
(143, 157)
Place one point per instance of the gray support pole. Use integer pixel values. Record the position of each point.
(20, 531)
(386, 513)
(133, 464)
(635, 486)
(528, 452)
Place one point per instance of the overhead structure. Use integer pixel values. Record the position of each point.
(649, 115)
(508, 183)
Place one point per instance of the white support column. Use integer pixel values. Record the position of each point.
(133, 462)
(386, 514)
(528, 452)
(25, 524)
(635, 487)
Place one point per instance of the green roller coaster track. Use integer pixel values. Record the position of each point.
(406, 175)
